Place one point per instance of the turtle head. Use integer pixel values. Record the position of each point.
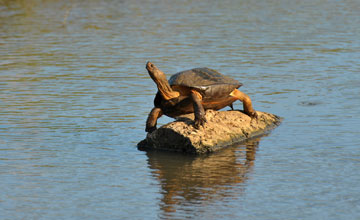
(154, 72)
(162, 83)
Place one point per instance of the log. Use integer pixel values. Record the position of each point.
(222, 129)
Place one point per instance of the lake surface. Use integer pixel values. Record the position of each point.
(74, 97)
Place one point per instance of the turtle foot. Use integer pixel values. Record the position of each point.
(253, 115)
(150, 129)
(199, 122)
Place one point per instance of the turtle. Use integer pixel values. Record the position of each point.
(194, 91)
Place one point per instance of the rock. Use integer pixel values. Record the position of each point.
(223, 128)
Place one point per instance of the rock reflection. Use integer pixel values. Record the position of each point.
(189, 180)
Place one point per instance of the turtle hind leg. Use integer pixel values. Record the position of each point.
(152, 119)
(245, 99)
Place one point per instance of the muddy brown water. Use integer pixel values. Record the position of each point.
(74, 97)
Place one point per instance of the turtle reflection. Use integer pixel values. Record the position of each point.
(186, 180)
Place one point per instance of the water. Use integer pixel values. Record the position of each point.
(74, 97)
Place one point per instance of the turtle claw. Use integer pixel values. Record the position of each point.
(253, 115)
(150, 130)
(199, 122)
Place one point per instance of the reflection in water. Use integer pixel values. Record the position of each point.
(189, 180)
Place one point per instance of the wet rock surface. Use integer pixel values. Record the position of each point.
(223, 128)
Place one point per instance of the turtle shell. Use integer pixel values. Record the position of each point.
(207, 81)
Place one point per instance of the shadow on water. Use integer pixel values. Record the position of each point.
(187, 181)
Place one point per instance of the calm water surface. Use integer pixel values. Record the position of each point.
(74, 97)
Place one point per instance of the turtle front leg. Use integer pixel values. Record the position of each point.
(152, 119)
(245, 99)
(198, 109)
